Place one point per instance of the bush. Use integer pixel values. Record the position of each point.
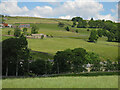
(34, 29)
(76, 31)
(47, 35)
(61, 24)
(42, 36)
(93, 36)
(51, 36)
(88, 30)
(67, 28)
(9, 32)
(17, 32)
(24, 29)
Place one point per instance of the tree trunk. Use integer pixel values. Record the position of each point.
(45, 67)
(7, 69)
(17, 68)
(58, 68)
(28, 68)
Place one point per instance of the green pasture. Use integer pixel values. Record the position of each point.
(40, 55)
(6, 37)
(63, 39)
(48, 29)
(52, 45)
(63, 82)
(5, 31)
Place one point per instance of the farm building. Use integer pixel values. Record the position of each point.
(5, 25)
(36, 36)
(9, 25)
(24, 26)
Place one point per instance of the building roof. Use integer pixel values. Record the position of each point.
(5, 24)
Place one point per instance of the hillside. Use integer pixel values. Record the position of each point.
(63, 39)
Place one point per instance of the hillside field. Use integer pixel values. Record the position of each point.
(46, 48)
(63, 39)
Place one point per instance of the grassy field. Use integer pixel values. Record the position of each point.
(41, 55)
(63, 82)
(62, 40)
(52, 45)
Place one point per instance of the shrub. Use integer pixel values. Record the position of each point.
(34, 29)
(9, 32)
(76, 31)
(17, 32)
(67, 28)
(93, 36)
(61, 24)
(42, 36)
(88, 30)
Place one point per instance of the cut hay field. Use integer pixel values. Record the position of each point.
(63, 82)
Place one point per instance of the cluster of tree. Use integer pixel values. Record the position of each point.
(34, 29)
(81, 23)
(69, 61)
(112, 36)
(96, 23)
(18, 31)
(40, 67)
(17, 60)
(107, 28)
(93, 36)
(25, 31)
(67, 28)
(79, 60)
(60, 24)
(15, 55)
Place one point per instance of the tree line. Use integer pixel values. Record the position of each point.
(111, 37)
(17, 31)
(106, 28)
(17, 60)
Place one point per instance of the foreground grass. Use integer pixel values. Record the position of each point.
(63, 82)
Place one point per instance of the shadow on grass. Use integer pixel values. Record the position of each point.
(90, 74)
